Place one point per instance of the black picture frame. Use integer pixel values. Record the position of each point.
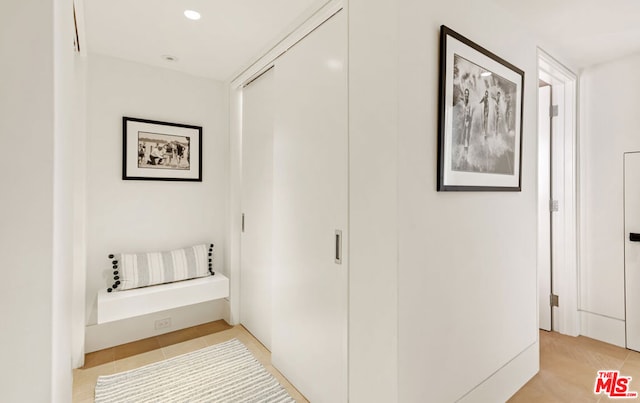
(161, 151)
(480, 110)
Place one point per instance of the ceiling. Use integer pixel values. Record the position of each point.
(586, 32)
(232, 33)
(229, 35)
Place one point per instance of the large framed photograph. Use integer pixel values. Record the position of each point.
(163, 151)
(480, 118)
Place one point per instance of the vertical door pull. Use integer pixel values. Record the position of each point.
(338, 247)
(242, 222)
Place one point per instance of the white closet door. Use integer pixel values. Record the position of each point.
(257, 207)
(310, 204)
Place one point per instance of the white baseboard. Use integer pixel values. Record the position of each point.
(98, 337)
(603, 328)
(500, 386)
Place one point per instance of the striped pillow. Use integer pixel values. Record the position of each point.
(135, 270)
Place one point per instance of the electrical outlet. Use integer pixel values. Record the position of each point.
(163, 323)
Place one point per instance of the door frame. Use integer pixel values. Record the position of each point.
(564, 84)
(318, 13)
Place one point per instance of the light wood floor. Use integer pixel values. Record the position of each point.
(154, 349)
(568, 365)
(568, 370)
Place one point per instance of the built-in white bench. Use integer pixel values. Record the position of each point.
(119, 305)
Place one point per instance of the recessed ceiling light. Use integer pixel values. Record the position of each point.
(192, 15)
(169, 58)
(485, 74)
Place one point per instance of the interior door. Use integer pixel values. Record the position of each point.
(257, 207)
(544, 217)
(632, 247)
(310, 207)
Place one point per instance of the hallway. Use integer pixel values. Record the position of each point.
(568, 369)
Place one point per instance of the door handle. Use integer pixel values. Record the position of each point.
(338, 255)
(634, 237)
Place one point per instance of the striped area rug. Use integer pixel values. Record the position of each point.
(226, 372)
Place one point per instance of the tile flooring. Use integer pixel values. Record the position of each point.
(154, 349)
(568, 369)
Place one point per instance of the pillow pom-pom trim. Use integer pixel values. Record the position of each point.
(116, 277)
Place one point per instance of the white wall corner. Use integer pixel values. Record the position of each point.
(235, 208)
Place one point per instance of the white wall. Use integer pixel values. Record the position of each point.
(130, 216)
(608, 129)
(26, 214)
(442, 292)
(467, 273)
(79, 150)
(373, 201)
(79, 198)
(68, 118)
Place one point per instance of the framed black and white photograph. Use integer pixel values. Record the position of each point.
(154, 150)
(480, 118)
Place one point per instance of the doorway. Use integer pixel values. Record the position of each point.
(557, 197)
(545, 249)
(632, 248)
